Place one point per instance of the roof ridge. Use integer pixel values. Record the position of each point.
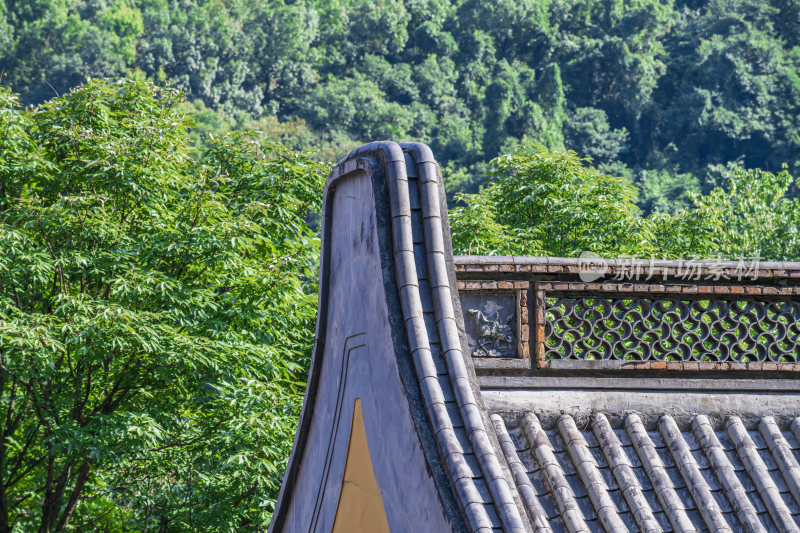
(408, 286)
(443, 299)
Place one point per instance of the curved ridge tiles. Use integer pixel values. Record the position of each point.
(396, 193)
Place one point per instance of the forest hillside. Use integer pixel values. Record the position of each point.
(661, 92)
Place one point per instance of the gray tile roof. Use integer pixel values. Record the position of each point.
(702, 438)
(652, 475)
(645, 445)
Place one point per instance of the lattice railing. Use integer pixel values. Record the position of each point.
(645, 329)
(633, 315)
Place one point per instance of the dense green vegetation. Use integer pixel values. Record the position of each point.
(555, 204)
(158, 265)
(654, 90)
(157, 306)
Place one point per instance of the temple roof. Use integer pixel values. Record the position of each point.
(552, 394)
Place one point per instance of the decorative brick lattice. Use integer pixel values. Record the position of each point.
(654, 329)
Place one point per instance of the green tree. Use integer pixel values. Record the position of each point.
(57, 44)
(156, 312)
(665, 191)
(587, 132)
(647, 88)
(202, 48)
(731, 89)
(554, 203)
(755, 216)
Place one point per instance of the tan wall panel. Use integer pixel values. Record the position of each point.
(360, 503)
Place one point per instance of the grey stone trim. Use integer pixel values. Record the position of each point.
(428, 182)
(623, 472)
(575, 261)
(697, 484)
(526, 491)
(590, 475)
(724, 471)
(759, 473)
(666, 382)
(782, 452)
(501, 365)
(572, 265)
(582, 404)
(657, 473)
(554, 474)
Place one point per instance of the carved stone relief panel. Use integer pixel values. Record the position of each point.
(490, 320)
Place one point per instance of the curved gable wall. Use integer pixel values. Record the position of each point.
(356, 356)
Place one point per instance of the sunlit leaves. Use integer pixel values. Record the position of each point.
(553, 203)
(156, 312)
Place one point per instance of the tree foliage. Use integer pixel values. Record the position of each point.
(756, 217)
(555, 204)
(156, 310)
(644, 88)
